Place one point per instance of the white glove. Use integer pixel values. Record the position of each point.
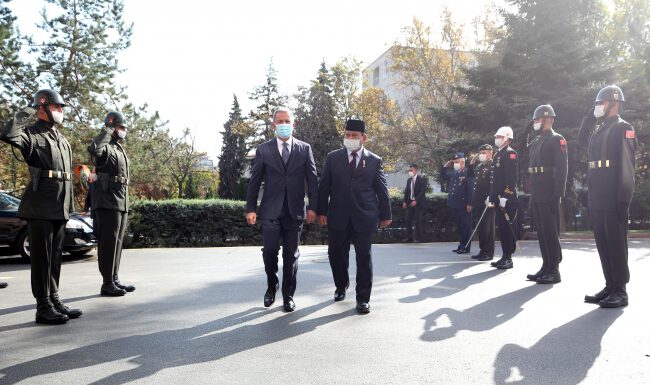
(502, 202)
(487, 201)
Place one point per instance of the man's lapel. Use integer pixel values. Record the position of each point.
(273, 147)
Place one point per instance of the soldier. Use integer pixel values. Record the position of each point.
(548, 170)
(503, 192)
(611, 143)
(47, 201)
(482, 173)
(110, 201)
(459, 196)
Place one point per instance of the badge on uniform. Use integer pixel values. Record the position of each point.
(563, 145)
(513, 156)
(629, 134)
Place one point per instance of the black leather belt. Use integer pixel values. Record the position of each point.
(599, 164)
(120, 179)
(539, 169)
(55, 174)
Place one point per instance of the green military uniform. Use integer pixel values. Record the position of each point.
(482, 173)
(110, 205)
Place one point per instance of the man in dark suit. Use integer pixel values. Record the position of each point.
(414, 199)
(286, 166)
(353, 201)
(461, 185)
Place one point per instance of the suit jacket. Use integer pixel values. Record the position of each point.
(42, 149)
(419, 190)
(280, 180)
(110, 159)
(461, 186)
(360, 196)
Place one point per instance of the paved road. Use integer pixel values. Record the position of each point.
(437, 318)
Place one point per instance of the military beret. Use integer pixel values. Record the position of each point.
(355, 125)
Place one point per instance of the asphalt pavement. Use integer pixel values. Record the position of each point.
(197, 317)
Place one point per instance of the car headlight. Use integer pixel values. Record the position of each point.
(76, 224)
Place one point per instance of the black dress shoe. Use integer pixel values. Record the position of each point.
(269, 296)
(533, 277)
(503, 258)
(110, 290)
(127, 288)
(477, 256)
(363, 307)
(463, 251)
(485, 257)
(45, 313)
(61, 308)
(289, 305)
(3, 285)
(617, 298)
(456, 250)
(549, 278)
(506, 264)
(601, 295)
(339, 294)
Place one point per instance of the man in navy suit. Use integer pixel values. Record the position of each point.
(286, 166)
(353, 201)
(461, 185)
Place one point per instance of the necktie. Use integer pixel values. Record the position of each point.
(353, 162)
(412, 187)
(285, 152)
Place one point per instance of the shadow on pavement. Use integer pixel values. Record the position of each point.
(173, 348)
(563, 356)
(481, 317)
(33, 305)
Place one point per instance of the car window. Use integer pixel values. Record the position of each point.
(8, 203)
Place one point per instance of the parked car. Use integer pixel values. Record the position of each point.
(79, 238)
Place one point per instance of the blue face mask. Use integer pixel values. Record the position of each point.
(283, 130)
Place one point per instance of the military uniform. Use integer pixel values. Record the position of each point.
(46, 205)
(504, 185)
(459, 196)
(482, 174)
(610, 181)
(548, 172)
(110, 205)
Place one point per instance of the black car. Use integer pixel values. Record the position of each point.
(79, 237)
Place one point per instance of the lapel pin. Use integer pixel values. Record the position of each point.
(364, 163)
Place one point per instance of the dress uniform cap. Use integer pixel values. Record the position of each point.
(458, 155)
(486, 147)
(355, 125)
(505, 131)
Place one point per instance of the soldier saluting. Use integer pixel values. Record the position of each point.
(110, 201)
(548, 166)
(611, 143)
(47, 201)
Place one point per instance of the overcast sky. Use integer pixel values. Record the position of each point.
(188, 57)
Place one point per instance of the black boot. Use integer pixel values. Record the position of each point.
(484, 257)
(500, 261)
(617, 298)
(550, 277)
(601, 295)
(45, 313)
(61, 308)
(127, 288)
(533, 277)
(506, 264)
(110, 290)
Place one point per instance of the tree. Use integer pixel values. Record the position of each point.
(233, 154)
(316, 117)
(268, 98)
(183, 160)
(346, 84)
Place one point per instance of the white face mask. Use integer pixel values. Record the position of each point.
(498, 142)
(352, 144)
(599, 111)
(411, 174)
(121, 134)
(482, 158)
(537, 126)
(457, 166)
(57, 116)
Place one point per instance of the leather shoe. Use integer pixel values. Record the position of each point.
(506, 264)
(339, 294)
(110, 290)
(462, 251)
(499, 261)
(363, 307)
(617, 298)
(533, 277)
(477, 256)
(127, 288)
(45, 313)
(269, 296)
(61, 308)
(456, 250)
(289, 305)
(549, 278)
(601, 295)
(3, 285)
(485, 257)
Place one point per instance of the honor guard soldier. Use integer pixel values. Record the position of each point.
(503, 193)
(481, 169)
(47, 201)
(458, 198)
(110, 201)
(548, 163)
(611, 143)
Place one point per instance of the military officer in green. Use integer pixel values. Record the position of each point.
(611, 143)
(47, 201)
(110, 201)
(548, 164)
(481, 170)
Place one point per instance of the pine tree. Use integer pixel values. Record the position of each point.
(268, 98)
(233, 154)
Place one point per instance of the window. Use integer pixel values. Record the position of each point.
(375, 77)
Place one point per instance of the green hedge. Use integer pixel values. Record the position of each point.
(203, 223)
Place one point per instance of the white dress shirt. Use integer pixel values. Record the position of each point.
(281, 144)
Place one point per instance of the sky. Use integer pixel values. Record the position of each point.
(187, 58)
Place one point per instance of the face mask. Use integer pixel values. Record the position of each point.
(498, 142)
(57, 116)
(283, 131)
(599, 111)
(537, 126)
(482, 158)
(121, 134)
(457, 166)
(411, 174)
(352, 144)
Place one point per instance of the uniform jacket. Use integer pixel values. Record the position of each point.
(461, 185)
(111, 161)
(298, 174)
(482, 174)
(504, 176)
(419, 190)
(548, 154)
(43, 149)
(360, 196)
(613, 140)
